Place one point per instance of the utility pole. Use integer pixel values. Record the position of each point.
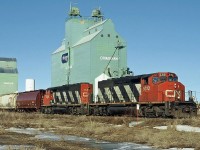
(68, 76)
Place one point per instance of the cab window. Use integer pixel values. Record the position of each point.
(172, 79)
(155, 80)
(146, 81)
(175, 79)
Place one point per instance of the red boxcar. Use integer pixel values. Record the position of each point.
(30, 101)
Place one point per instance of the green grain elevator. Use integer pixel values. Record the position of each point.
(8, 75)
(91, 47)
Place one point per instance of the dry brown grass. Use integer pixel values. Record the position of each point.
(106, 128)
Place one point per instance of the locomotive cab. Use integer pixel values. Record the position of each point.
(161, 87)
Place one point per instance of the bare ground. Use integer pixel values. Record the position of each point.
(103, 128)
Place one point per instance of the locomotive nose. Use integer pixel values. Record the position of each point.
(174, 91)
(179, 91)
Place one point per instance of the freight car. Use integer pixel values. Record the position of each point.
(155, 95)
(8, 101)
(30, 100)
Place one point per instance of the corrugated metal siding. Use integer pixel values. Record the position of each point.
(88, 58)
(8, 83)
(59, 69)
(80, 71)
(102, 48)
(8, 63)
(8, 75)
(74, 29)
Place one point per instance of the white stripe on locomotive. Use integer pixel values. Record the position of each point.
(119, 93)
(71, 96)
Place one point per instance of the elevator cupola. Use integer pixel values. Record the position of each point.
(74, 11)
(97, 13)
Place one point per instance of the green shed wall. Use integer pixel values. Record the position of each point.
(80, 71)
(8, 83)
(59, 70)
(8, 76)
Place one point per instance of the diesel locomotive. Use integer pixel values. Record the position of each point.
(149, 95)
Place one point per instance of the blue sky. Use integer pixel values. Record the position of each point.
(161, 35)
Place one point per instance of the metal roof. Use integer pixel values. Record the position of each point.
(7, 59)
(96, 25)
(87, 38)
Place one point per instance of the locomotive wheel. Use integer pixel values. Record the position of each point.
(96, 111)
(74, 111)
(70, 112)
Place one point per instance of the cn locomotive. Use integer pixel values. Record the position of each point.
(149, 95)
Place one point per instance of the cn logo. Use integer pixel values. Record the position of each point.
(64, 58)
(170, 93)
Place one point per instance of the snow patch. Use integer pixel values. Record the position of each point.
(161, 127)
(187, 128)
(184, 128)
(30, 131)
(134, 123)
(16, 147)
(180, 149)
